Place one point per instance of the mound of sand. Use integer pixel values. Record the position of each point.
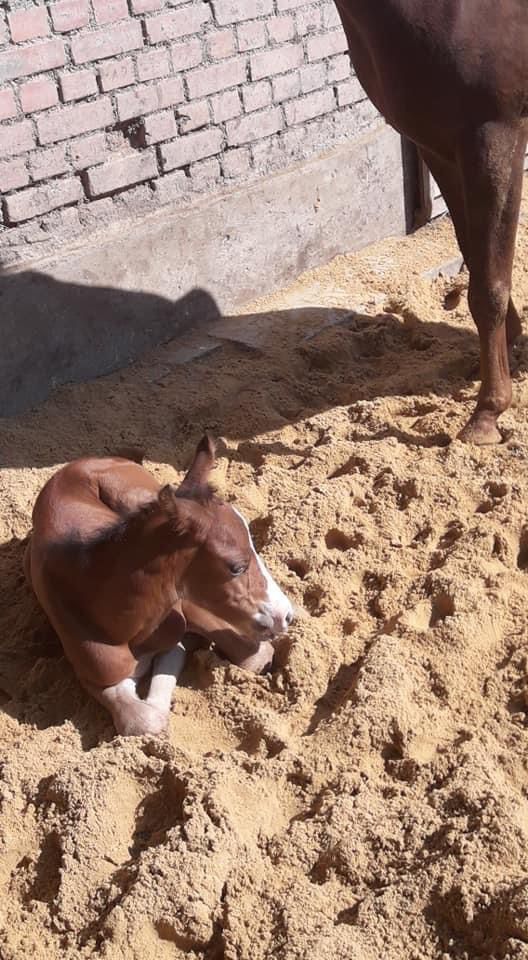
(368, 800)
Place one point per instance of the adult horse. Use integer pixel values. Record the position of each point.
(452, 76)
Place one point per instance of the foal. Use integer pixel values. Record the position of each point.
(124, 568)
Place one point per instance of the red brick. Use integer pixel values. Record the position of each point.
(170, 187)
(257, 125)
(38, 200)
(97, 212)
(255, 96)
(189, 149)
(87, 151)
(153, 64)
(48, 163)
(350, 92)
(64, 223)
(160, 126)
(69, 15)
(289, 4)
(116, 73)
(205, 172)
(28, 24)
(36, 58)
(331, 17)
(13, 175)
(106, 11)
(236, 163)
(177, 23)
(136, 102)
(8, 106)
(71, 121)
(109, 42)
(286, 87)
(281, 29)
(187, 54)
(121, 172)
(308, 21)
(326, 45)
(217, 77)
(313, 76)
(16, 138)
(251, 35)
(78, 85)
(316, 104)
(267, 154)
(146, 6)
(232, 11)
(194, 115)
(221, 44)
(226, 106)
(293, 140)
(147, 99)
(38, 95)
(270, 62)
(339, 68)
(170, 92)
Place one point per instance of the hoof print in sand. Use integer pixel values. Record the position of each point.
(353, 465)
(522, 556)
(338, 540)
(314, 600)
(299, 567)
(261, 529)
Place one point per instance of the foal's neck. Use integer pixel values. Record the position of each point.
(147, 542)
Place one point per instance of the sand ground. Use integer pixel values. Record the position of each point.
(370, 799)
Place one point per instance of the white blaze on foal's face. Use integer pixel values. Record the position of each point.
(275, 612)
(229, 596)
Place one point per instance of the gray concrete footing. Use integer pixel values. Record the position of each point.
(101, 305)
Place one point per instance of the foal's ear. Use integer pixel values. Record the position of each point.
(184, 515)
(198, 473)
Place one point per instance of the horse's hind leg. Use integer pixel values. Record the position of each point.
(491, 165)
(449, 178)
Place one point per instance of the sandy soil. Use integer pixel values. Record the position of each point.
(370, 799)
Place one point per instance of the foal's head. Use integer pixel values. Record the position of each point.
(227, 594)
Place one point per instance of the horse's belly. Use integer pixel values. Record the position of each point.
(429, 70)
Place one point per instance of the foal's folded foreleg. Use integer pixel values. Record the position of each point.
(165, 672)
(135, 717)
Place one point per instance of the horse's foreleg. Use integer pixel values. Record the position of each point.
(449, 177)
(491, 165)
(132, 716)
(165, 672)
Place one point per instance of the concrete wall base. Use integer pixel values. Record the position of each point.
(100, 306)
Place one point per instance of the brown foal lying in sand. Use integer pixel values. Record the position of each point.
(125, 568)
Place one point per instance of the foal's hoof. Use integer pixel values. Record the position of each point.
(481, 430)
(141, 720)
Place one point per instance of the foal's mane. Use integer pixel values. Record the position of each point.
(203, 494)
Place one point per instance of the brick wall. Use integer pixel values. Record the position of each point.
(116, 107)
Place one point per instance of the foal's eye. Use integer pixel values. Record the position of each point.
(238, 568)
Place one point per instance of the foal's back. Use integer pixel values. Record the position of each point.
(89, 495)
(82, 571)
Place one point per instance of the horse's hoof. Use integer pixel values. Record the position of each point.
(144, 719)
(481, 430)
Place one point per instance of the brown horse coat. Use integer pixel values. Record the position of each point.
(452, 75)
